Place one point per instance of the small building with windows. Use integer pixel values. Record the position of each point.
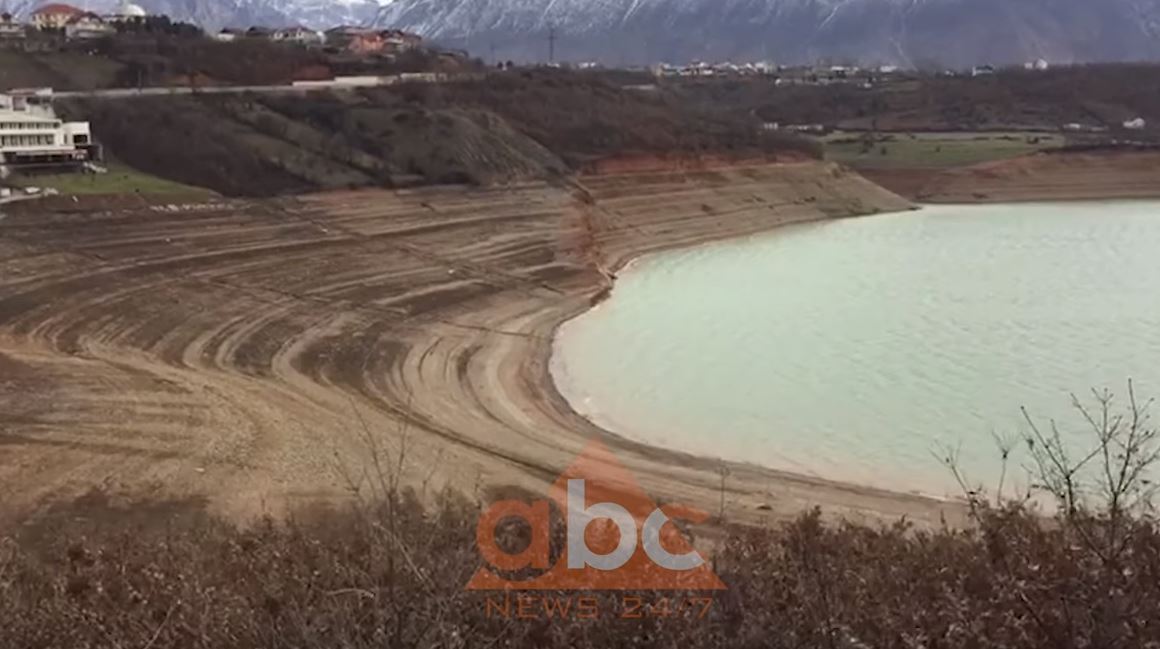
(88, 26)
(10, 28)
(32, 134)
(298, 35)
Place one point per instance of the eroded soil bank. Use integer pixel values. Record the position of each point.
(1056, 176)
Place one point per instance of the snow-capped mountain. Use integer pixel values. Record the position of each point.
(316, 14)
(908, 32)
(215, 14)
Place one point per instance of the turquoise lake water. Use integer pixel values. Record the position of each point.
(854, 349)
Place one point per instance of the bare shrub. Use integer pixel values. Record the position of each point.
(388, 570)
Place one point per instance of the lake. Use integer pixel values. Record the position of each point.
(857, 349)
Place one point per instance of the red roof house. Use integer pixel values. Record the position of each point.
(55, 15)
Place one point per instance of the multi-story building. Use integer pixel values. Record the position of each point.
(55, 15)
(32, 134)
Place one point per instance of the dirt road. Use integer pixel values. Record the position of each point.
(261, 354)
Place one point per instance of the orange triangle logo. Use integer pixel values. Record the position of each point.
(616, 536)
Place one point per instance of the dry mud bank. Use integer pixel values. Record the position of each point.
(242, 350)
(1040, 177)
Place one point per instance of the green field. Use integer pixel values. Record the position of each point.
(932, 150)
(119, 180)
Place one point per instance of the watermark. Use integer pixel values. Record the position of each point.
(614, 538)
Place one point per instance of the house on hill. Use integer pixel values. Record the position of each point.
(396, 41)
(32, 134)
(362, 41)
(339, 37)
(10, 29)
(368, 43)
(54, 16)
(88, 26)
(127, 12)
(298, 35)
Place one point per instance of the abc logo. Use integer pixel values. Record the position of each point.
(579, 517)
(619, 541)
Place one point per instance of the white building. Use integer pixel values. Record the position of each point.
(9, 27)
(127, 12)
(89, 25)
(297, 34)
(31, 133)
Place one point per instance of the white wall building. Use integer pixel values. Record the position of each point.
(10, 27)
(31, 133)
(127, 12)
(298, 34)
(88, 26)
(54, 16)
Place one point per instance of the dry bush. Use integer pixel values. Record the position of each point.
(582, 116)
(388, 571)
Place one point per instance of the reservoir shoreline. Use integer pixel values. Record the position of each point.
(238, 351)
(1046, 178)
(802, 388)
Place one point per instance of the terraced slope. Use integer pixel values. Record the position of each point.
(1099, 175)
(266, 353)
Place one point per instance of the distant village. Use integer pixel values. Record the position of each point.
(75, 24)
(820, 74)
(32, 136)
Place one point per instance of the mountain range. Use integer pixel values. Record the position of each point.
(912, 33)
(904, 32)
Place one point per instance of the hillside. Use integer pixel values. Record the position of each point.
(504, 128)
(1103, 95)
(186, 57)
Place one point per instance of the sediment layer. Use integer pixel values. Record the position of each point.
(1052, 176)
(264, 354)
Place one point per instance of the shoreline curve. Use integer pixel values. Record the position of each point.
(265, 355)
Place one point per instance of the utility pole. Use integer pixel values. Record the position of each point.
(552, 43)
